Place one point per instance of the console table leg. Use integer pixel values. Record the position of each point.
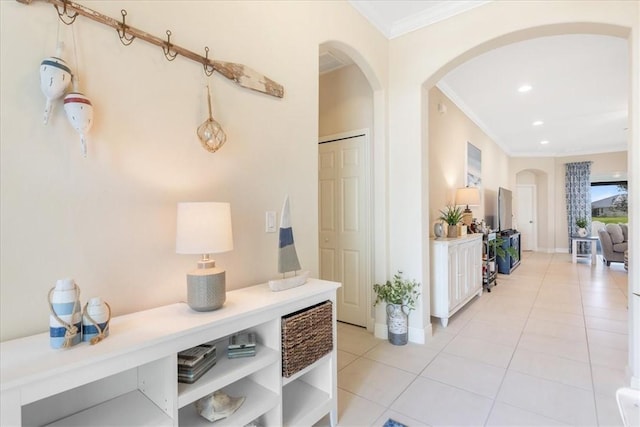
(444, 321)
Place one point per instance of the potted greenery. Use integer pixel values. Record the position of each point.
(452, 215)
(500, 250)
(582, 227)
(400, 295)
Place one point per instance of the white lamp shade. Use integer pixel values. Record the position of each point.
(203, 228)
(469, 196)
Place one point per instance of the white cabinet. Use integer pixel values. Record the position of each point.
(131, 377)
(456, 274)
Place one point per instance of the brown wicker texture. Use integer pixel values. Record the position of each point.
(307, 335)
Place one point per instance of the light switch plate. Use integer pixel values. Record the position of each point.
(270, 222)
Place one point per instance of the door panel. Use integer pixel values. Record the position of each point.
(344, 224)
(526, 208)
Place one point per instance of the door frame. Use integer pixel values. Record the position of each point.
(534, 205)
(368, 205)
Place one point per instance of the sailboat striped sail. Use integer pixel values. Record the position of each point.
(287, 256)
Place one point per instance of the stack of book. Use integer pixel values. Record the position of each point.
(194, 362)
(242, 345)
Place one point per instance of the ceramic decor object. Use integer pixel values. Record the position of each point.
(55, 77)
(95, 320)
(80, 114)
(65, 318)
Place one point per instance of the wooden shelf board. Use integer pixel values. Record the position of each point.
(311, 367)
(132, 408)
(258, 400)
(303, 404)
(225, 371)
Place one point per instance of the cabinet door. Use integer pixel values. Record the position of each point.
(454, 276)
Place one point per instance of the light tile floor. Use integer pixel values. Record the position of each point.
(548, 346)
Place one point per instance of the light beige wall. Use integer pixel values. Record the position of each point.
(417, 62)
(346, 101)
(602, 164)
(448, 136)
(549, 174)
(109, 220)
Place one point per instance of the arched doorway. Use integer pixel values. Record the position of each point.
(407, 130)
(351, 103)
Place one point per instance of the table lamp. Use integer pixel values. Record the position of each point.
(467, 196)
(204, 228)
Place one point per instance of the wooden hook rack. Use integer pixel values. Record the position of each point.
(241, 74)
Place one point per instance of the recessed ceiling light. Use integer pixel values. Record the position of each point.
(524, 88)
(537, 123)
(544, 142)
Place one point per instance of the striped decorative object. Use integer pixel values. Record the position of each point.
(64, 300)
(95, 320)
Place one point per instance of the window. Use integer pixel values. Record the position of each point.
(609, 202)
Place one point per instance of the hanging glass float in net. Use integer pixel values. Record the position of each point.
(210, 133)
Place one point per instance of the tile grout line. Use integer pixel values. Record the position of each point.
(506, 371)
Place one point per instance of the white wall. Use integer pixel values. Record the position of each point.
(420, 58)
(109, 220)
(346, 101)
(449, 133)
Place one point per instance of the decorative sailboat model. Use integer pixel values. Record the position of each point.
(287, 256)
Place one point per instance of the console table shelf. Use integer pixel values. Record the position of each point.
(131, 377)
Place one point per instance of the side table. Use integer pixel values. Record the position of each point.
(574, 248)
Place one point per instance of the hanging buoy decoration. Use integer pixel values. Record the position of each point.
(210, 133)
(55, 77)
(80, 114)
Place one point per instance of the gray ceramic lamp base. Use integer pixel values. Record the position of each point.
(206, 292)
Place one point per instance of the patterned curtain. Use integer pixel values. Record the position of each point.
(578, 196)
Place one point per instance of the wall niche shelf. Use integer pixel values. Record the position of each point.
(131, 377)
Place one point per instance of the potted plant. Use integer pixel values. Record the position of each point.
(582, 227)
(501, 251)
(452, 215)
(400, 295)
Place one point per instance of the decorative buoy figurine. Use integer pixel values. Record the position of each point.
(95, 320)
(80, 114)
(55, 77)
(65, 319)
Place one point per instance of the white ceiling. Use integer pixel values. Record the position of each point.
(579, 84)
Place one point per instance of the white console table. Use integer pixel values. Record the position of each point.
(130, 378)
(456, 274)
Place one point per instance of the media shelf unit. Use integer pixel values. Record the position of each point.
(511, 239)
(131, 377)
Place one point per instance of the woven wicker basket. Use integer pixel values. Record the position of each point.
(307, 335)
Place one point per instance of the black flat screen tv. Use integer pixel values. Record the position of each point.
(505, 215)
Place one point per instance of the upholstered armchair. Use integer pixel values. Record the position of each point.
(614, 239)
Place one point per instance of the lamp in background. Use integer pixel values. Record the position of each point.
(204, 228)
(467, 196)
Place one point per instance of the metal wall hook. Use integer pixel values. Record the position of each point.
(208, 68)
(122, 31)
(167, 48)
(64, 14)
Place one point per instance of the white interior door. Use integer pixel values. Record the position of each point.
(526, 214)
(344, 223)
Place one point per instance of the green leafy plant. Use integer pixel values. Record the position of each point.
(581, 222)
(452, 215)
(398, 291)
(502, 252)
